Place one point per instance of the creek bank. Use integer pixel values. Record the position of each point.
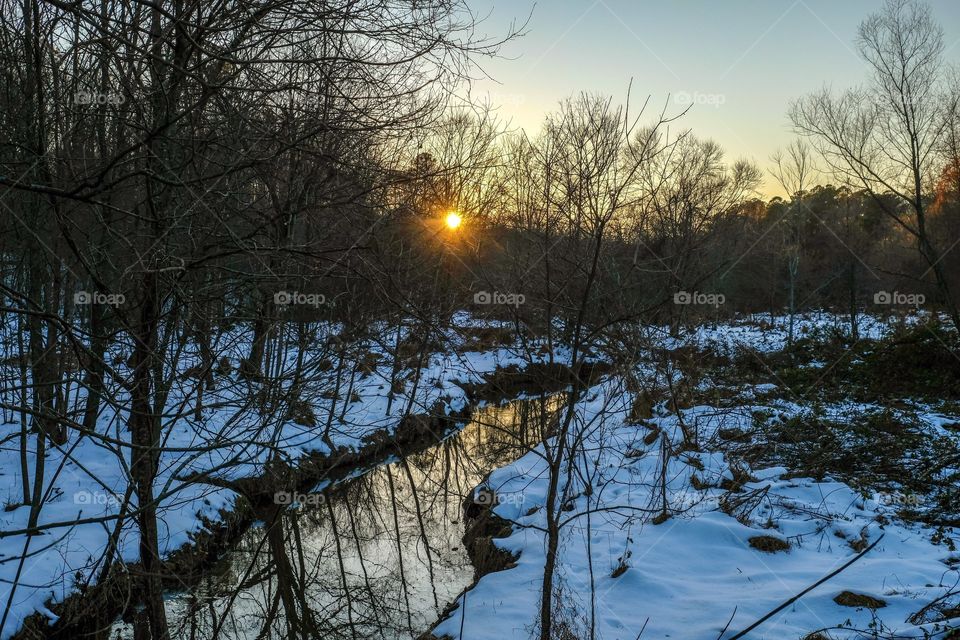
(89, 612)
(539, 377)
(483, 526)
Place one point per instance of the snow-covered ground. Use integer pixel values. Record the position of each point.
(763, 333)
(86, 479)
(683, 578)
(696, 574)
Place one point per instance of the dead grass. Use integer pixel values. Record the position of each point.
(698, 484)
(487, 338)
(769, 544)
(368, 363)
(660, 518)
(651, 437)
(642, 407)
(858, 600)
(301, 412)
(734, 435)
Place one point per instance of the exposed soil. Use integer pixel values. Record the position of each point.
(858, 600)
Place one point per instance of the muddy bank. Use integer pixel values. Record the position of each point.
(514, 381)
(483, 526)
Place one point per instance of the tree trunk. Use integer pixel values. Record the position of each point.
(95, 370)
(145, 457)
(852, 281)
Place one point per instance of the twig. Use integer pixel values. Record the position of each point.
(643, 628)
(727, 626)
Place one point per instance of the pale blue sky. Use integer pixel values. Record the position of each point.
(740, 61)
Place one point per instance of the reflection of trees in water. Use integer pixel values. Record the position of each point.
(379, 559)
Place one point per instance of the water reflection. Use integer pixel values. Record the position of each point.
(380, 558)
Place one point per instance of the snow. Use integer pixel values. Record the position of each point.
(87, 478)
(765, 333)
(687, 577)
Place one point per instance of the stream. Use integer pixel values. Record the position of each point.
(378, 556)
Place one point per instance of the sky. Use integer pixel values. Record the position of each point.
(737, 63)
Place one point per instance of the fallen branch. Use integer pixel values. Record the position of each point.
(816, 584)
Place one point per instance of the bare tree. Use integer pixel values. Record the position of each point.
(687, 188)
(886, 137)
(793, 169)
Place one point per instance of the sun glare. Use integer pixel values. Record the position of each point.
(453, 220)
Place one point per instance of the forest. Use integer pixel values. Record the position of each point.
(300, 339)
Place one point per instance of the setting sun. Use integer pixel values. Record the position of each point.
(453, 220)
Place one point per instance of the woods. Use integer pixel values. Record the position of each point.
(287, 317)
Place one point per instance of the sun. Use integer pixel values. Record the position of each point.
(453, 220)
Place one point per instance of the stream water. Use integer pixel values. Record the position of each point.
(378, 556)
